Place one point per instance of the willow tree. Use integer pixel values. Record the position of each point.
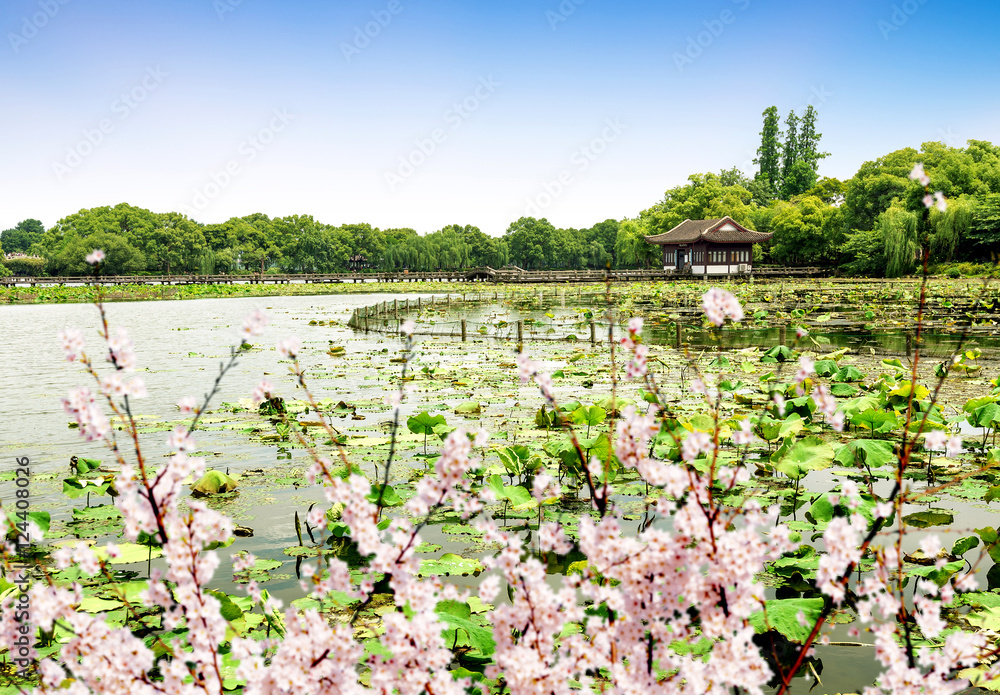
(899, 230)
(631, 247)
(951, 227)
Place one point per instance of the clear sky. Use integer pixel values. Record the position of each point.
(422, 113)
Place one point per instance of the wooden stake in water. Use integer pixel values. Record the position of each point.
(463, 330)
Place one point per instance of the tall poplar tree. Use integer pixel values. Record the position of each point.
(790, 149)
(808, 141)
(769, 153)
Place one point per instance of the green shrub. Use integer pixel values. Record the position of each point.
(20, 264)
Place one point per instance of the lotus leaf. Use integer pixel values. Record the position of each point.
(808, 454)
(213, 483)
(450, 564)
(468, 408)
(926, 519)
(783, 616)
(872, 453)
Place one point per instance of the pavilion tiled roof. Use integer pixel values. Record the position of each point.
(690, 231)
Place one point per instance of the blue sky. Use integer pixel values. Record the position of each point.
(422, 113)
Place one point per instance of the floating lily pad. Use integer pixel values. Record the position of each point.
(450, 564)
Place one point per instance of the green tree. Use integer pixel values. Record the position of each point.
(173, 243)
(120, 256)
(789, 153)
(631, 247)
(528, 240)
(807, 144)
(899, 230)
(951, 228)
(604, 234)
(21, 237)
(703, 197)
(734, 177)
(800, 233)
(864, 252)
(769, 153)
(829, 190)
(798, 179)
(985, 231)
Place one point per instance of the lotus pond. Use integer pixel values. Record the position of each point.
(857, 336)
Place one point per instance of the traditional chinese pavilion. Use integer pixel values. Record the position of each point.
(709, 247)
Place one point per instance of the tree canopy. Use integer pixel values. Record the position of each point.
(875, 222)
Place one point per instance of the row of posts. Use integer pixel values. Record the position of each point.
(360, 320)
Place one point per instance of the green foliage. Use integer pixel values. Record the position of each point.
(800, 232)
(866, 453)
(21, 237)
(213, 483)
(782, 615)
(424, 423)
(899, 230)
(808, 454)
(769, 153)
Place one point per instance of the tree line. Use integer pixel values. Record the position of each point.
(874, 223)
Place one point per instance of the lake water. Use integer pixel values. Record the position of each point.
(180, 346)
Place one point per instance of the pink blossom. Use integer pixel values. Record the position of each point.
(636, 369)
(121, 351)
(551, 537)
(72, 343)
(95, 256)
(253, 325)
(316, 517)
(92, 422)
(806, 369)
(289, 347)
(407, 328)
(745, 434)
(837, 421)
(635, 325)
(824, 400)
(136, 388)
(718, 304)
(695, 444)
(953, 447)
(917, 174)
(180, 439)
(935, 440)
(801, 332)
(544, 487)
(529, 369)
(187, 404)
(940, 202)
(779, 402)
(262, 391)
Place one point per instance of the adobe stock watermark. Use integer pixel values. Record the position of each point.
(30, 26)
(224, 7)
(365, 33)
(899, 16)
(247, 151)
(700, 42)
(122, 107)
(425, 147)
(562, 12)
(579, 162)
